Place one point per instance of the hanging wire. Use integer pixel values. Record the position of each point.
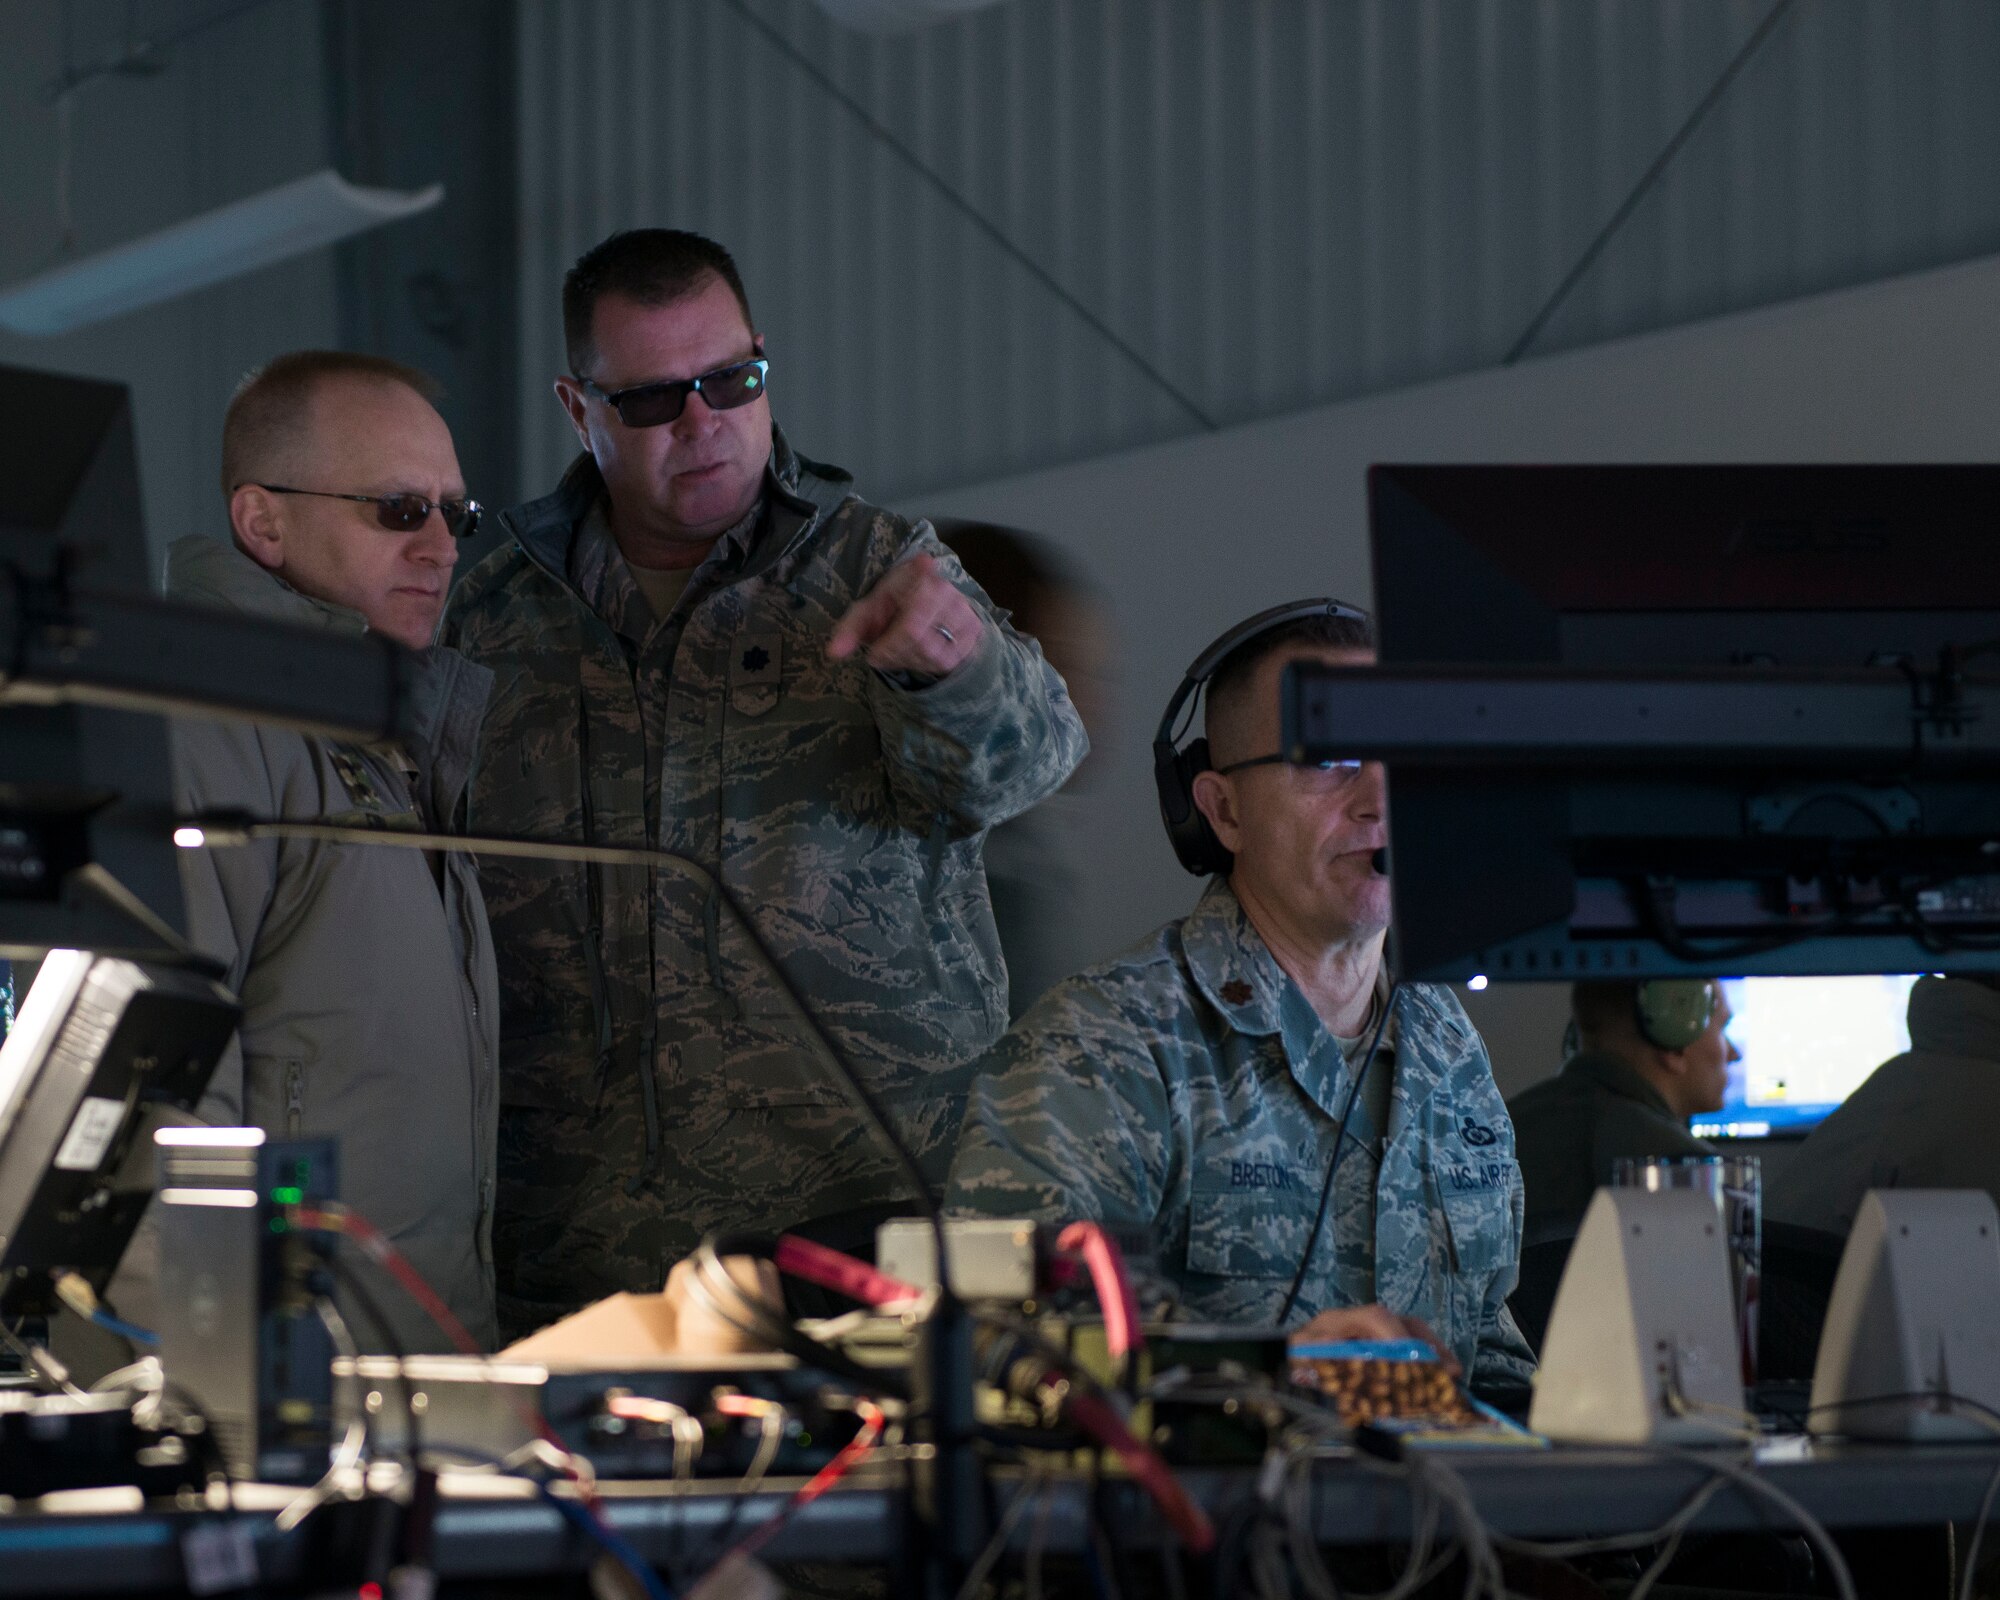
(138, 56)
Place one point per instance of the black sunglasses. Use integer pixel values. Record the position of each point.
(650, 405)
(401, 513)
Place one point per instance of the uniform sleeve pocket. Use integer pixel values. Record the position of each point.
(1478, 1205)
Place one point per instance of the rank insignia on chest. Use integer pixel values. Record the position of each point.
(368, 804)
(1237, 992)
(756, 670)
(351, 767)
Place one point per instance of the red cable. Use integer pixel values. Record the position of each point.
(374, 1244)
(843, 1274)
(1108, 1277)
(856, 1279)
(1097, 1419)
(817, 1485)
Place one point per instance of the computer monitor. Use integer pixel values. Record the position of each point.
(85, 792)
(1805, 1045)
(101, 1053)
(69, 481)
(1778, 856)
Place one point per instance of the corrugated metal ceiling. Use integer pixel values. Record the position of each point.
(1245, 206)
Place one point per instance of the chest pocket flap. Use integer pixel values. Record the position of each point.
(1255, 1228)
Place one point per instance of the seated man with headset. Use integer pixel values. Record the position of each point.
(1245, 1089)
(1642, 1058)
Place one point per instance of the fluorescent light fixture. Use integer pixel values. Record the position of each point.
(1476, 982)
(210, 1138)
(217, 245)
(232, 1199)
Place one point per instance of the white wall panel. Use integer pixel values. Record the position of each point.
(1279, 203)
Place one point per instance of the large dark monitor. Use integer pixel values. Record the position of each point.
(85, 856)
(69, 480)
(1780, 800)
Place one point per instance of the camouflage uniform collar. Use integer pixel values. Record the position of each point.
(1605, 1071)
(1233, 966)
(600, 573)
(799, 495)
(1241, 978)
(798, 492)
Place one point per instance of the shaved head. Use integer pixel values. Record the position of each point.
(1242, 716)
(267, 431)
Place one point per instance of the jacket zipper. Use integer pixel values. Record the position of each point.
(295, 1098)
(482, 1072)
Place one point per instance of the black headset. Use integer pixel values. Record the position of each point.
(1175, 768)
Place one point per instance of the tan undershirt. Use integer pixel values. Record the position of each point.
(662, 586)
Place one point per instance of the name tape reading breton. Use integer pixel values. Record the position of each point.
(1261, 1175)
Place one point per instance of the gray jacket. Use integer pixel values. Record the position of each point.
(1922, 1120)
(370, 1006)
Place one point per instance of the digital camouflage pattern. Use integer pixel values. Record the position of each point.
(653, 1087)
(1186, 1093)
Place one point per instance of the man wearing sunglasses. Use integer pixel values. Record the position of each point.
(707, 644)
(1195, 1093)
(370, 1006)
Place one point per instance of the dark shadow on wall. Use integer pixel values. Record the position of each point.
(418, 92)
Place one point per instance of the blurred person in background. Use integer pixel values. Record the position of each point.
(1922, 1120)
(1033, 862)
(1641, 1059)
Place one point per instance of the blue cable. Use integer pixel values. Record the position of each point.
(619, 1549)
(126, 1330)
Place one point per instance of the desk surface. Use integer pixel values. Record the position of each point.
(103, 1541)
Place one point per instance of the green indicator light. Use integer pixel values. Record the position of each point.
(278, 1225)
(287, 1196)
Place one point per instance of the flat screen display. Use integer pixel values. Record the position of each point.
(1807, 1044)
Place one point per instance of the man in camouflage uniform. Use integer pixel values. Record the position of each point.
(708, 645)
(1187, 1092)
